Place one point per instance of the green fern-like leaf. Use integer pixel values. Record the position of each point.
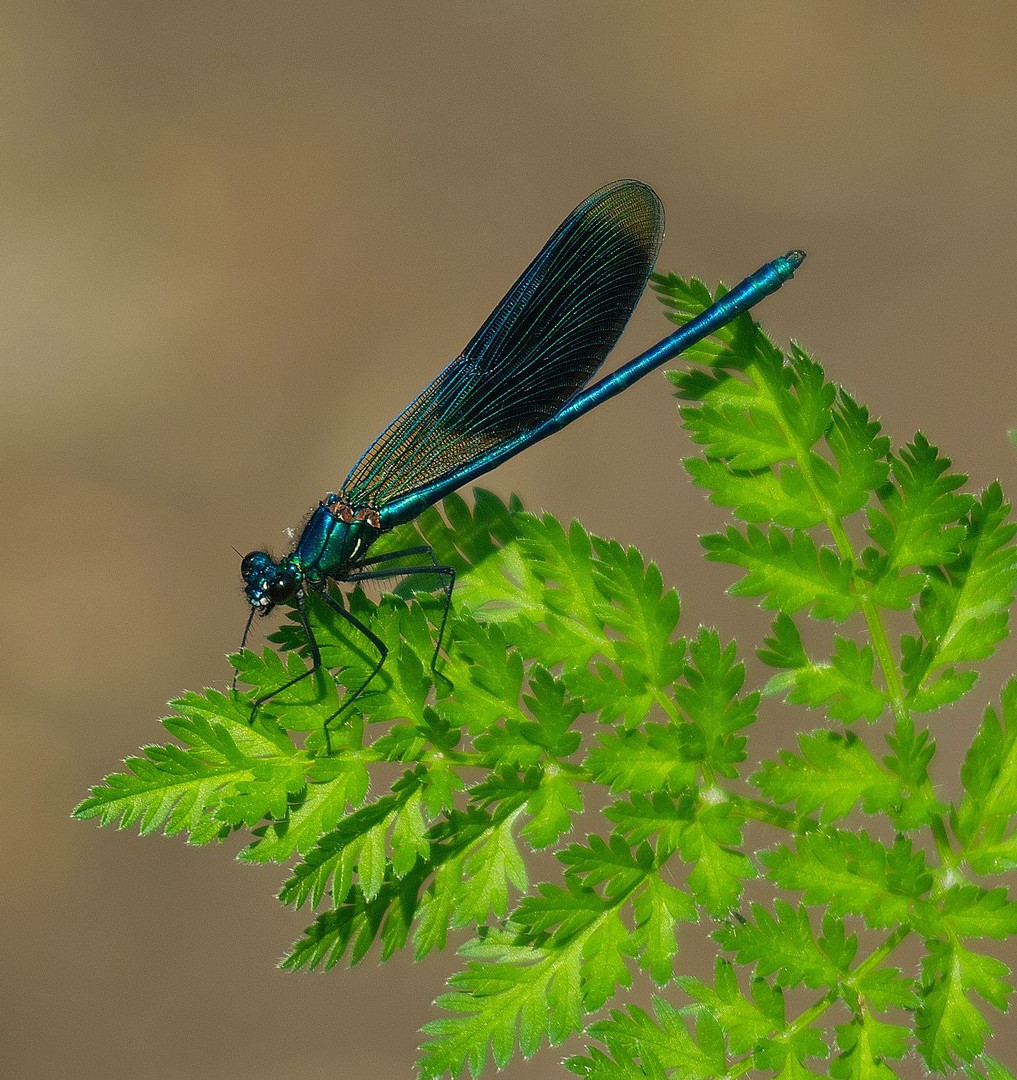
(568, 717)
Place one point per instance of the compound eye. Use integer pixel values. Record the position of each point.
(282, 587)
(254, 563)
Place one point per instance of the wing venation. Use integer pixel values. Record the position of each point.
(536, 350)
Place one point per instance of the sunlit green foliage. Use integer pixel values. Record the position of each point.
(567, 692)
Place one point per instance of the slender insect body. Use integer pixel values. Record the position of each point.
(524, 375)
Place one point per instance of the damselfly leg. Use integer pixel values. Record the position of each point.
(380, 572)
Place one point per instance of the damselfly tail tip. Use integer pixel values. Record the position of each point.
(787, 264)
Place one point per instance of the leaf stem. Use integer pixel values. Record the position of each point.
(831, 997)
(769, 814)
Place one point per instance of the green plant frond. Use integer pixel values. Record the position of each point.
(951, 1028)
(569, 717)
(834, 774)
(986, 818)
(964, 609)
(783, 945)
(853, 875)
(789, 572)
(640, 1044)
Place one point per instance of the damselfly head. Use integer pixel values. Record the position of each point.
(255, 563)
(268, 582)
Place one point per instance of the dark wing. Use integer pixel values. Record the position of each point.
(537, 349)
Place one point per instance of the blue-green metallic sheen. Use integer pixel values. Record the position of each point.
(522, 377)
(744, 295)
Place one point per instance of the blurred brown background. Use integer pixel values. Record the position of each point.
(235, 240)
